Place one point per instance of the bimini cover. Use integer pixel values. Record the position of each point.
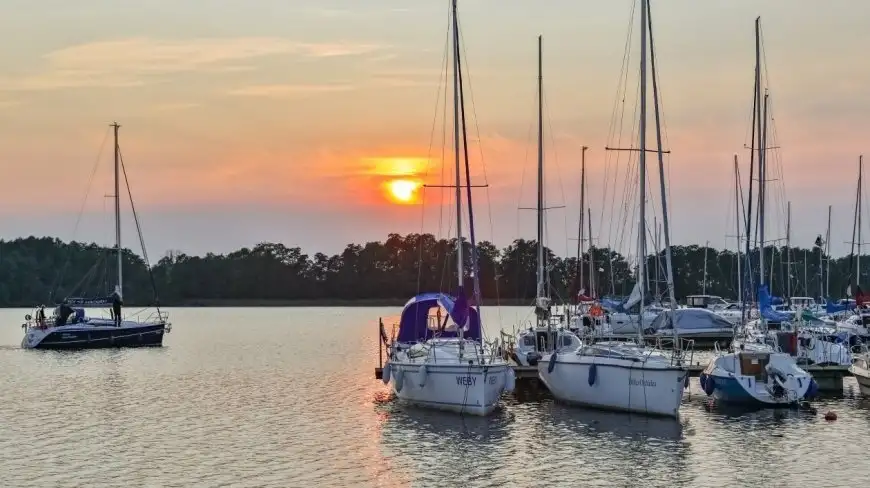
(690, 319)
(766, 309)
(417, 324)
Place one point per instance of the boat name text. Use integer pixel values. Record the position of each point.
(634, 382)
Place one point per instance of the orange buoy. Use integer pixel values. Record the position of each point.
(830, 416)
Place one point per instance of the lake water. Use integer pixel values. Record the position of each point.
(286, 397)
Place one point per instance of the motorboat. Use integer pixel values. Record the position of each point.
(757, 378)
(699, 324)
(860, 369)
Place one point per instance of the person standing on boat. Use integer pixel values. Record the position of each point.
(116, 307)
(40, 316)
(63, 313)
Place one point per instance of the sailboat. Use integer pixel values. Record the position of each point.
(439, 360)
(756, 372)
(549, 331)
(620, 375)
(71, 328)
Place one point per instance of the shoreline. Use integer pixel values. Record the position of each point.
(301, 303)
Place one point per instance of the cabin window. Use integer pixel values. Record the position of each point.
(529, 341)
(566, 341)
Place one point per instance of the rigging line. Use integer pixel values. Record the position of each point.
(139, 231)
(438, 97)
(477, 132)
(555, 154)
(618, 104)
(62, 273)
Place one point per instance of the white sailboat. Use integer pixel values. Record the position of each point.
(438, 358)
(70, 327)
(550, 331)
(758, 371)
(625, 376)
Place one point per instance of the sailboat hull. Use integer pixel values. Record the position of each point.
(88, 336)
(467, 389)
(616, 384)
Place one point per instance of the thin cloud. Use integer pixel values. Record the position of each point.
(137, 61)
(288, 90)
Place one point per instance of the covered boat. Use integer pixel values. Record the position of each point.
(438, 359)
(757, 378)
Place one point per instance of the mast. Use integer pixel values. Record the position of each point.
(858, 206)
(591, 255)
(827, 251)
(456, 147)
(737, 224)
(669, 266)
(762, 188)
(657, 262)
(582, 215)
(542, 288)
(641, 233)
(760, 149)
(788, 250)
(704, 285)
(748, 216)
(119, 252)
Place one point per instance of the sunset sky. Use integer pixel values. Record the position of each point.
(284, 120)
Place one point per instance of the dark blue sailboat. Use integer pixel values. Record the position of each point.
(71, 327)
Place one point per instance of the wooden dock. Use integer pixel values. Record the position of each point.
(829, 378)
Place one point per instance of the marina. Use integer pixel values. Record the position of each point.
(829, 378)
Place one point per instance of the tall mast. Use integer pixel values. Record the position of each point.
(858, 204)
(591, 255)
(641, 232)
(582, 215)
(749, 199)
(762, 188)
(120, 256)
(669, 266)
(788, 250)
(737, 224)
(760, 148)
(456, 147)
(827, 251)
(542, 288)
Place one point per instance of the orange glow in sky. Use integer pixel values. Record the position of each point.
(403, 191)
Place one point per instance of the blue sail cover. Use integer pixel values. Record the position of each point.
(832, 308)
(766, 309)
(414, 325)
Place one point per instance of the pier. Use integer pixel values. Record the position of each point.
(829, 378)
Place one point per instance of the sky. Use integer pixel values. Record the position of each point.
(284, 120)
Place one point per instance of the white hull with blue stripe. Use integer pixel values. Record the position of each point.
(757, 378)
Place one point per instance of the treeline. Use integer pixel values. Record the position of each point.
(45, 270)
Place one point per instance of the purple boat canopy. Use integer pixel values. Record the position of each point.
(417, 325)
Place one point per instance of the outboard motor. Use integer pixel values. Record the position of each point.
(532, 358)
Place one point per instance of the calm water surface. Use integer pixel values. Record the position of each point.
(287, 398)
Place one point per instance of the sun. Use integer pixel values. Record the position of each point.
(403, 191)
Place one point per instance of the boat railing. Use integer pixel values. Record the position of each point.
(682, 351)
